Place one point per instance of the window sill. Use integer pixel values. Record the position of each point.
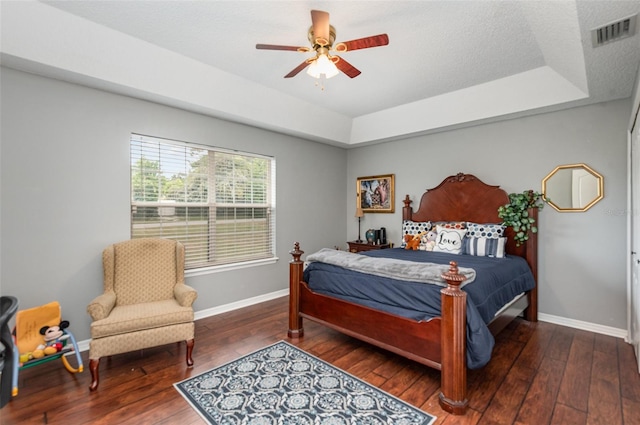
(229, 267)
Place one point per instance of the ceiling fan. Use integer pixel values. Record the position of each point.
(322, 36)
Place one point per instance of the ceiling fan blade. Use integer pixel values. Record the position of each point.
(347, 68)
(278, 47)
(297, 69)
(320, 23)
(363, 43)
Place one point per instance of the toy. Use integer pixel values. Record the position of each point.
(41, 336)
(413, 241)
(54, 338)
(430, 240)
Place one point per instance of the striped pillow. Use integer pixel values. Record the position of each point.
(484, 247)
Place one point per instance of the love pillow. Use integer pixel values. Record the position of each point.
(449, 240)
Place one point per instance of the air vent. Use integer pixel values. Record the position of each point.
(614, 31)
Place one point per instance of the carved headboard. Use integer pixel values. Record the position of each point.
(464, 197)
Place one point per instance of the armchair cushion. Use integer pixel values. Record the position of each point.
(145, 270)
(138, 317)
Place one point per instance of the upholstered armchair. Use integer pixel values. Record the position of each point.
(145, 301)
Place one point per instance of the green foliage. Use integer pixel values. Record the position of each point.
(515, 214)
(146, 180)
(238, 179)
(241, 179)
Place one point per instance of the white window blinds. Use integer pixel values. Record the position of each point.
(219, 204)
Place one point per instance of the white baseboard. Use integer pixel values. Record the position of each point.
(240, 304)
(201, 314)
(585, 326)
(83, 345)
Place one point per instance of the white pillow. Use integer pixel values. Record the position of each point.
(449, 240)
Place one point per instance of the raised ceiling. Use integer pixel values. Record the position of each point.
(448, 63)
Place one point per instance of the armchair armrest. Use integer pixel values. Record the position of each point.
(101, 306)
(185, 294)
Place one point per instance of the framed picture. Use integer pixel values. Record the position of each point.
(376, 194)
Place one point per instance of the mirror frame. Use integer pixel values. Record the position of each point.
(585, 167)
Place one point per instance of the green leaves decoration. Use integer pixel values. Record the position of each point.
(515, 214)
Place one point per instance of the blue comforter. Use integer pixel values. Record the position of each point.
(498, 281)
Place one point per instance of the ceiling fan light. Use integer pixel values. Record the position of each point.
(322, 65)
(331, 71)
(312, 70)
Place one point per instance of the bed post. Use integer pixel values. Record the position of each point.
(453, 373)
(531, 313)
(407, 211)
(295, 276)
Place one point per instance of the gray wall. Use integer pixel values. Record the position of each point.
(65, 191)
(582, 273)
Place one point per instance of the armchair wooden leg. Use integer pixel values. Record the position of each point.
(190, 352)
(93, 367)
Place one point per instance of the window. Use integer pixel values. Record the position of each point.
(219, 204)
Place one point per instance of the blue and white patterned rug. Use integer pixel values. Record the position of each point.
(282, 385)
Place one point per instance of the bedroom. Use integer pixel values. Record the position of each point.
(65, 163)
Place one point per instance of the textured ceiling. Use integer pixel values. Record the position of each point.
(448, 63)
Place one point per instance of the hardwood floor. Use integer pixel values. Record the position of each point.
(540, 374)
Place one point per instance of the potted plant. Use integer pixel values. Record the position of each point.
(515, 214)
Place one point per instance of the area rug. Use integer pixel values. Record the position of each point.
(283, 385)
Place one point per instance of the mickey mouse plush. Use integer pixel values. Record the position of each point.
(53, 337)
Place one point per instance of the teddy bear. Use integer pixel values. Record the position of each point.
(430, 240)
(413, 241)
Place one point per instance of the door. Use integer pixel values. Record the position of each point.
(634, 293)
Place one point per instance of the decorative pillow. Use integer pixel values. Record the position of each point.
(449, 240)
(486, 230)
(451, 224)
(413, 228)
(485, 247)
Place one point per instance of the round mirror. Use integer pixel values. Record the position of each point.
(573, 188)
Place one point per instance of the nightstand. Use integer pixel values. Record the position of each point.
(364, 246)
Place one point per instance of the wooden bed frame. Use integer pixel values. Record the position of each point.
(440, 342)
